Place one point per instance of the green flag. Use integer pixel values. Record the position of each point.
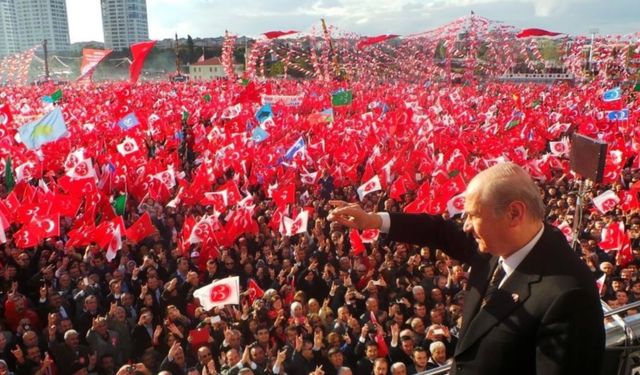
(9, 180)
(340, 98)
(207, 98)
(636, 88)
(244, 82)
(119, 204)
(56, 96)
(512, 124)
(185, 116)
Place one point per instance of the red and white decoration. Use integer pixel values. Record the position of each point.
(219, 293)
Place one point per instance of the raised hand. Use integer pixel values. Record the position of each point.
(351, 215)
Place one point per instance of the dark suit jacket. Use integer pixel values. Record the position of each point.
(545, 319)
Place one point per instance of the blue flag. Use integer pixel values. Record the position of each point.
(129, 121)
(264, 113)
(49, 128)
(612, 95)
(621, 115)
(293, 150)
(258, 134)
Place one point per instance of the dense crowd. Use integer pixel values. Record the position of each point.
(394, 309)
(325, 308)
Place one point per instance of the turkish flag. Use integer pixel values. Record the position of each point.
(81, 236)
(613, 236)
(219, 293)
(299, 225)
(46, 226)
(233, 193)
(285, 194)
(139, 52)
(356, 242)
(6, 117)
(141, 229)
(218, 199)
(254, 291)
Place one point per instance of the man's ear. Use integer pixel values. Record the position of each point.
(516, 212)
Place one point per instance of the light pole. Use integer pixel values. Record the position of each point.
(593, 38)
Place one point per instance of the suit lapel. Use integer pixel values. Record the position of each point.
(513, 293)
(478, 278)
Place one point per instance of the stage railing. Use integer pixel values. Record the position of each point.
(615, 331)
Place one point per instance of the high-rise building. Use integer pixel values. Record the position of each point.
(8, 35)
(37, 20)
(124, 22)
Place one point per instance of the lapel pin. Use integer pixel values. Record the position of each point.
(515, 297)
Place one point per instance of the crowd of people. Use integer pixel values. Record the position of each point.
(395, 309)
(325, 308)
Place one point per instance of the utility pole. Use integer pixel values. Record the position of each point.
(593, 37)
(46, 60)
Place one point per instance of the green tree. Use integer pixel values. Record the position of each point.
(191, 50)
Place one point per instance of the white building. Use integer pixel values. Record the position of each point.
(211, 69)
(37, 20)
(124, 23)
(8, 37)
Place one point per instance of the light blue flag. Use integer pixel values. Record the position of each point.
(258, 134)
(622, 115)
(49, 128)
(293, 150)
(264, 113)
(612, 95)
(129, 121)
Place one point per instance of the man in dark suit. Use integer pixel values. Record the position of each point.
(532, 306)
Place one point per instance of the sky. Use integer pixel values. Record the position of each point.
(210, 18)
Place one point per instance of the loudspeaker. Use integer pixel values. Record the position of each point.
(588, 156)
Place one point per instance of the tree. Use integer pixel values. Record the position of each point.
(191, 50)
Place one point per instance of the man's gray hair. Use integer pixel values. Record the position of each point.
(504, 183)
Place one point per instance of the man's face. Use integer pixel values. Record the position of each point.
(204, 355)
(257, 353)
(263, 335)
(380, 368)
(73, 341)
(372, 352)
(407, 346)
(439, 355)
(337, 359)
(420, 359)
(33, 354)
(485, 225)
(307, 350)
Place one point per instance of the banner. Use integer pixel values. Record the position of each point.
(288, 100)
(90, 59)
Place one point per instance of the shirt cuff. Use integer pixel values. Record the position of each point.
(386, 222)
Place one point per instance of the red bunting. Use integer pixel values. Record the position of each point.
(374, 40)
(526, 33)
(277, 34)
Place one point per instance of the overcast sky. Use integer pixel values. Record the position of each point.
(209, 18)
